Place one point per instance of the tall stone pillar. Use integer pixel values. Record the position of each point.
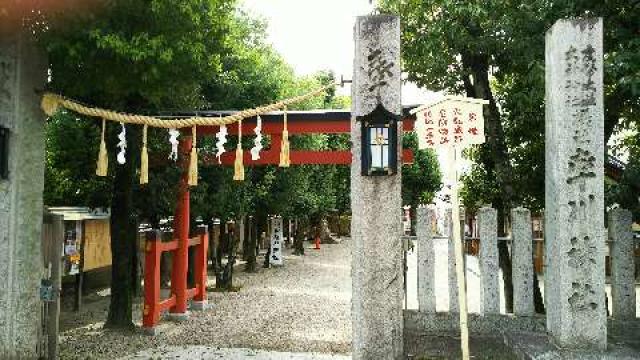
(574, 185)
(22, 72)
(376, 202)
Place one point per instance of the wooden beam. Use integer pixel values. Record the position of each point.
(298, 157)
(294, 127)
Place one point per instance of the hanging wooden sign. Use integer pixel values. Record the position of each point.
(452, 121)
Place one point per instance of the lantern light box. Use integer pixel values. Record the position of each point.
(379, 142)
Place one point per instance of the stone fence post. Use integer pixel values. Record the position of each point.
(426, 261)
(623, 281)
(454, 306)
(522, 261)
(488, 258)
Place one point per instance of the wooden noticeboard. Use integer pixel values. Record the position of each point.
(97, 246)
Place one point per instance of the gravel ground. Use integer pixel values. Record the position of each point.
(301, 307)
(210, 353)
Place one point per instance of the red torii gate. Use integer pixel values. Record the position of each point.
(298, 122)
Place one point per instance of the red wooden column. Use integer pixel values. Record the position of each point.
(200, 298)
(151, 313)
(181, 233)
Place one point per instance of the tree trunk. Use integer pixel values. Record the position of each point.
(504, 261)
(123, 237)
(246, 243)
(224, 277)
(252, 245)
(298, 242)
(497, 161)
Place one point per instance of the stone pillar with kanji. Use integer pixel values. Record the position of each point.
(376, 201)
(574, 185)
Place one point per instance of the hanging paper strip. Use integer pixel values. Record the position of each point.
(222, 139)
(257, 142)
(285, 161)
(173, 140)
(122, 144)
(238, 173)
(103, 158)
(144, 158)
(193, 163)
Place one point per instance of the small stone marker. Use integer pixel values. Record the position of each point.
(426, 261)
(522, 261)
(376, 201)
(488, 258)
(275, 258)
(574, 185)
(623, 267)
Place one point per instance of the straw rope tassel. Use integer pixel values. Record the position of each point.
(144, 159)
(103, 158)
(238, 173)
(285, 160)
(193, 164)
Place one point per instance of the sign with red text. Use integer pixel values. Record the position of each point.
(452, 121)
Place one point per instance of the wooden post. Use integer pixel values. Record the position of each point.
(77, 305)
(201, 265)
(181, 233)
(150, 314)
(460, 269)
(53, 238)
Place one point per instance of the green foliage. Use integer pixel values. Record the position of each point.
(65, 186)
(421, 179)
(443, 39)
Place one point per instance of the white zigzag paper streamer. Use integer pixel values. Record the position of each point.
(122, 144)
(173, 139)
(222, 139)
(257, 142)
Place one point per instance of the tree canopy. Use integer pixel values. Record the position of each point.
(495, 50)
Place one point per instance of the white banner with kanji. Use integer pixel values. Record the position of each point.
(452, 121)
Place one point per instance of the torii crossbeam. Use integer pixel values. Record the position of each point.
(299, 122)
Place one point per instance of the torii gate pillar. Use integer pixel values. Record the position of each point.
(23, 70)
(376, 201)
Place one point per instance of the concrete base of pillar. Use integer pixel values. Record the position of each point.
(150, 331)
(200, 305)
(178, 317)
